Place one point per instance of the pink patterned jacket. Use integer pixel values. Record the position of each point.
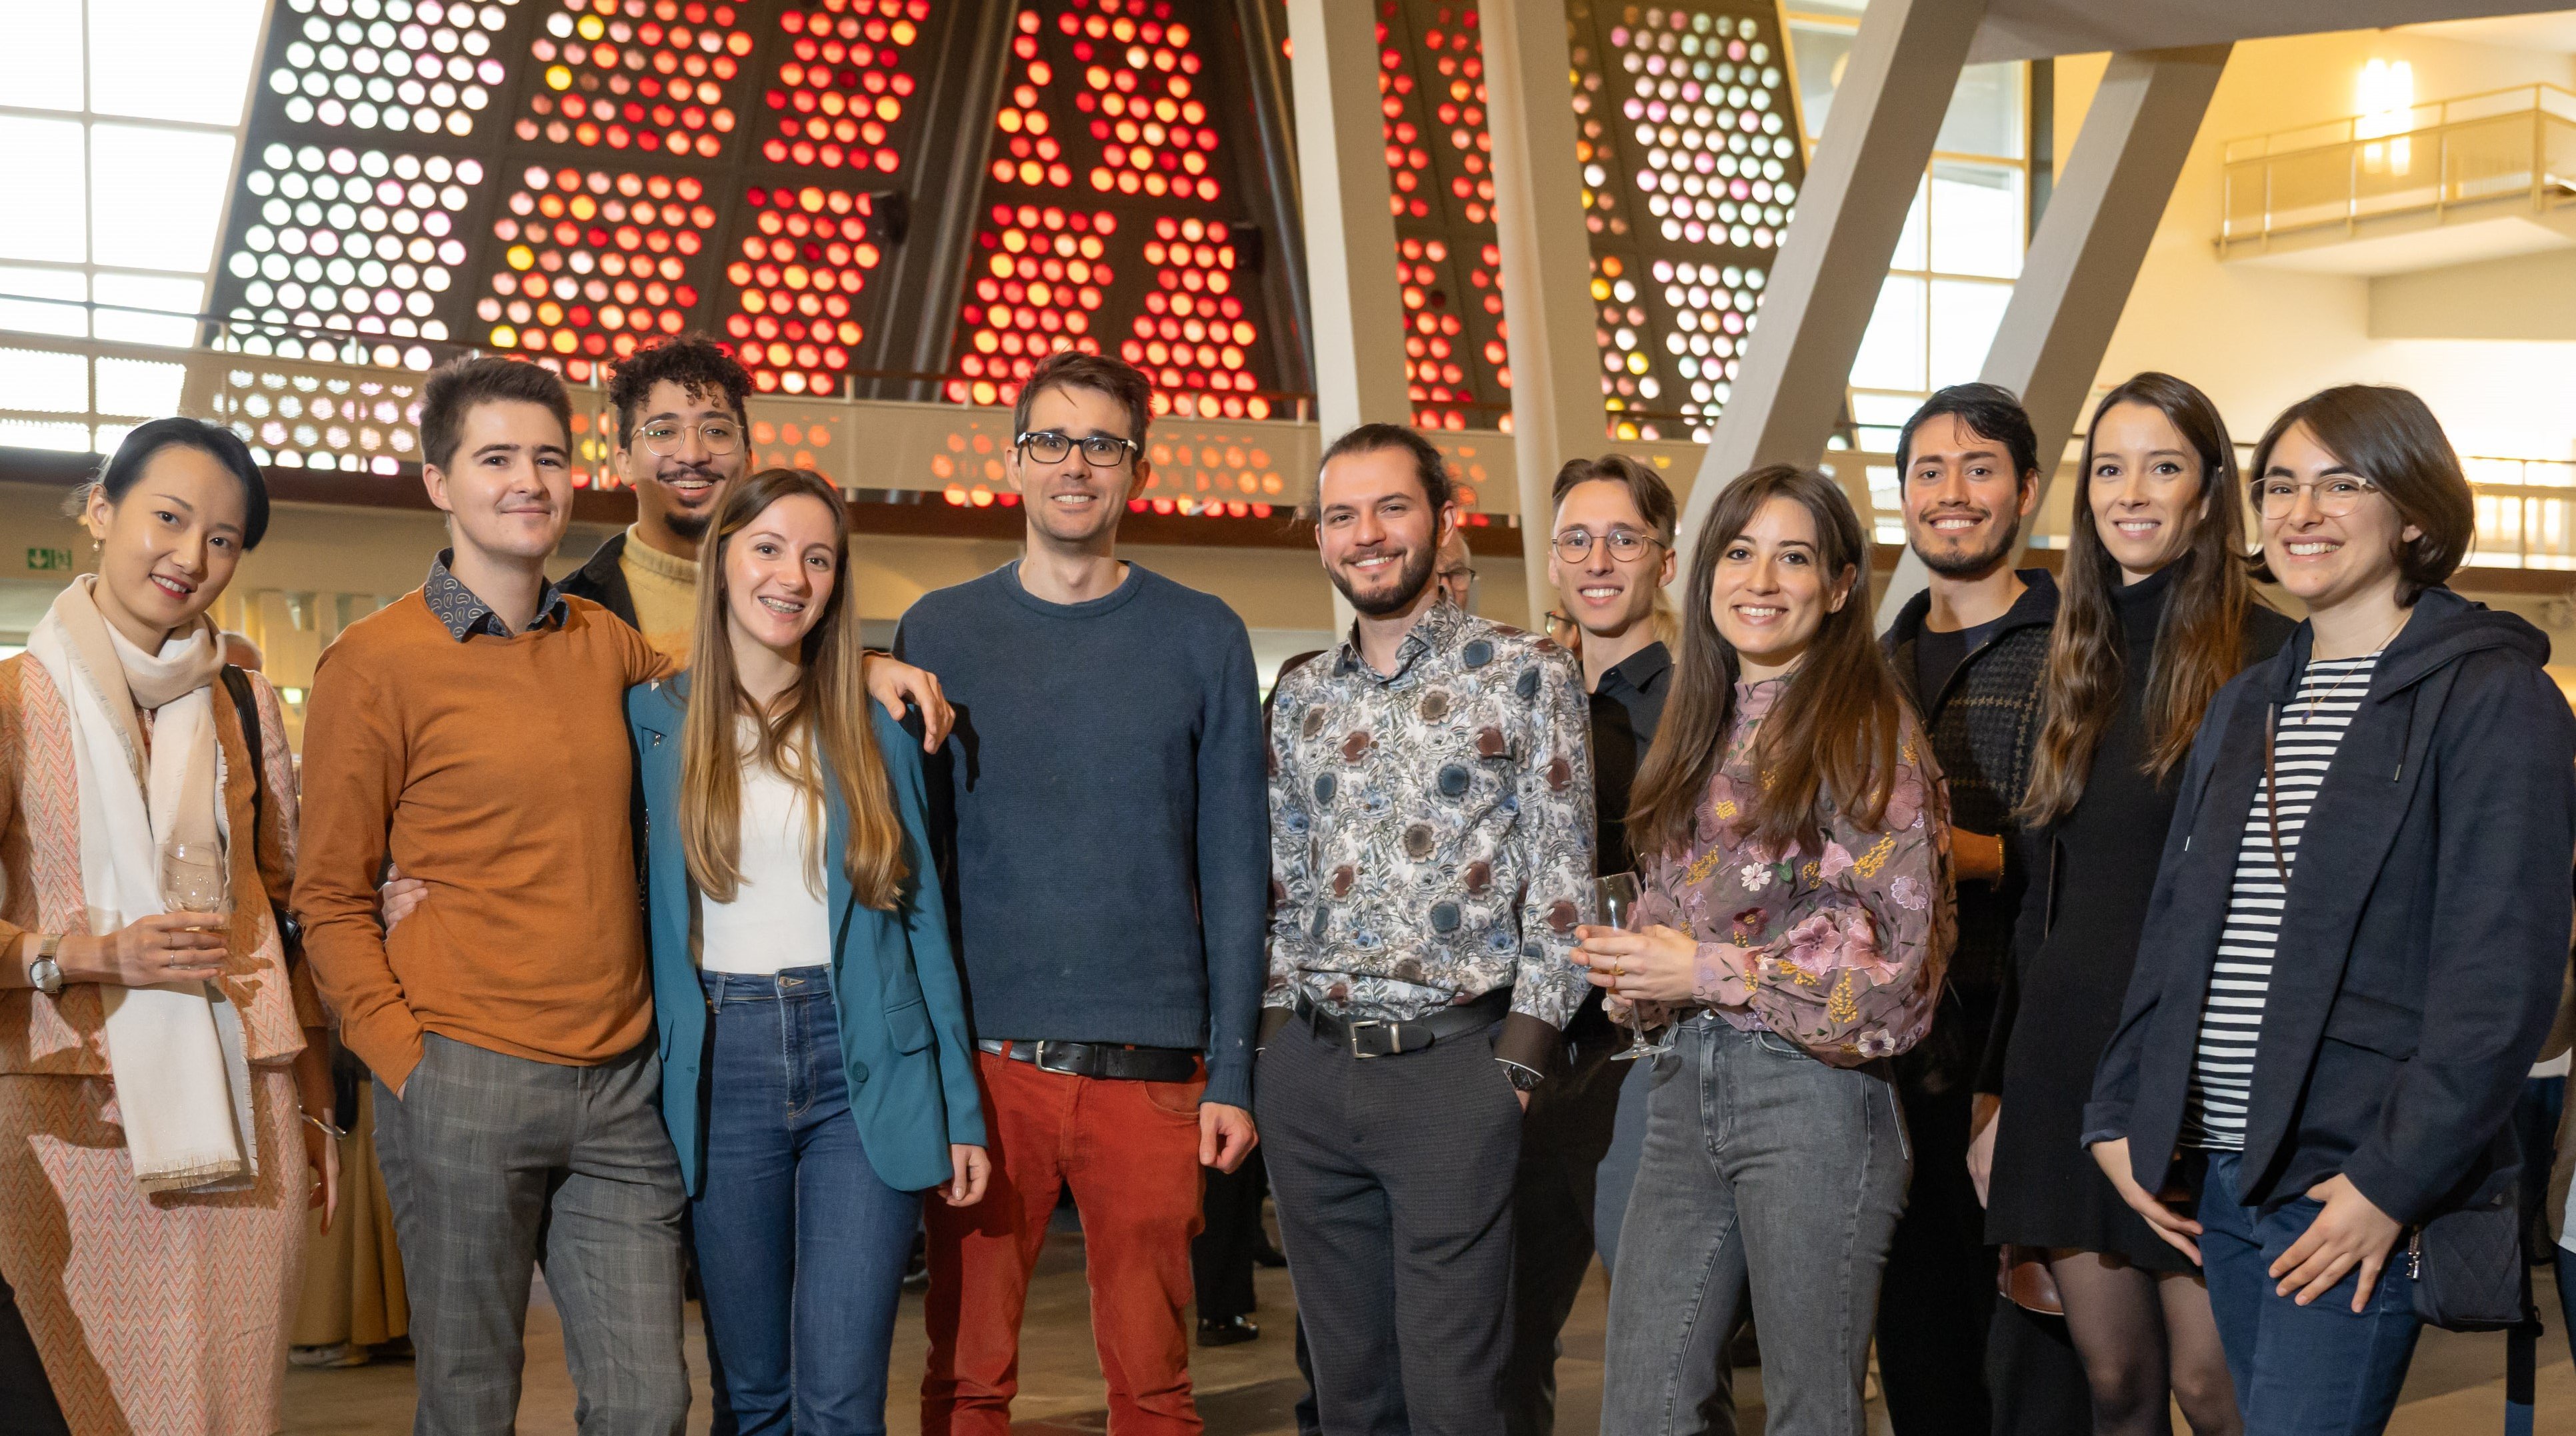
(40, 885)
(1840, 951)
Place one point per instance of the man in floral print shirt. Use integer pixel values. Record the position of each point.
(1431, 855)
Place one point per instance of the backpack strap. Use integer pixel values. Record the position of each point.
(290, 933)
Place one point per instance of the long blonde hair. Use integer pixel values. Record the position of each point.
(825, 709)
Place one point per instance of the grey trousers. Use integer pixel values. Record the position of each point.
(1767, 1176)
(1394, 1182)
(494, 1163)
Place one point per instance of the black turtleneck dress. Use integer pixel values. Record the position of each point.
(2078, 941)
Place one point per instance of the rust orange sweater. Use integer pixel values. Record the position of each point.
(497, 771)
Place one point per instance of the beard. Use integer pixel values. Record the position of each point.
(1410, 581)
(690, 526)
(1972, 563)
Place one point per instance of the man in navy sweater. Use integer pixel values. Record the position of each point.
(1108, 832)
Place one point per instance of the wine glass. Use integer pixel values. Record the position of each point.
(192, 878)
(1615, 895)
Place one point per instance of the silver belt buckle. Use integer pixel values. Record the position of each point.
(1360, 1026)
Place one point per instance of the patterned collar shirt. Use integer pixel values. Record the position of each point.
(465, 614)
(1431, 830)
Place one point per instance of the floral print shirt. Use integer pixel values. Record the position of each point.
(1842, 951)
(1431, 831)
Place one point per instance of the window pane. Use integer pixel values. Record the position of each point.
(174, 297)
(1985, 113)
(1911, 250)
(1977, 219)
(27, 318)
(1819, 53)
(144, 390)
(27, 434)
(1964, 317)
(43, 43)
(40, 171)
(159, 195)
(46, 381)
(172, 59)
(1891, 352)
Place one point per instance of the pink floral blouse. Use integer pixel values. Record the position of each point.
(1841, 952)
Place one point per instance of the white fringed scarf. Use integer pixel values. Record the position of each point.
(176, 1050)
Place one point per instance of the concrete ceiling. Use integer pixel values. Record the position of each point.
(2550, 30)
(2029, 29)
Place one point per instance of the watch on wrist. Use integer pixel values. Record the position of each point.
(45, 974)
(1524, 1079)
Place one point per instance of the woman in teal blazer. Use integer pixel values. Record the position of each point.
(817, 1076)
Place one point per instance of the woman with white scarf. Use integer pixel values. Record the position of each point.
(164, 1077)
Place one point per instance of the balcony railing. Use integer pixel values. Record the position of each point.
(2505, 149)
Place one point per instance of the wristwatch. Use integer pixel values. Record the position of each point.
(45, 974)
(1523, 1079)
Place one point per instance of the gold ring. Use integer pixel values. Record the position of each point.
(1619, 968)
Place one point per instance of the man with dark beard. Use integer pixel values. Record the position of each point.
(682, 439)
(1970, 652)
(1431, 839)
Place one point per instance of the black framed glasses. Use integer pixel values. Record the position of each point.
(1101, 451)
(2337, 495)
(663, 437)
(1626, 545)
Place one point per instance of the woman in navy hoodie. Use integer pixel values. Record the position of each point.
(2337, 997)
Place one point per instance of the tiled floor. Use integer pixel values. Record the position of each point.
(2456, 1388)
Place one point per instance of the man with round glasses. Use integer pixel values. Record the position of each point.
(1103, 807)
(681, 443)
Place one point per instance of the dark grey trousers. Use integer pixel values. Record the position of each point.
(1393, 1177)
(1566, 1135)
(494, 1163)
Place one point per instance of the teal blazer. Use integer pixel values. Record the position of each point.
(902, 1012)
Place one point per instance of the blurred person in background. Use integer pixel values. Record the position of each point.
(165, 1090)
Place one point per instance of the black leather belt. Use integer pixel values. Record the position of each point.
(1102, 1059)
(1378, 1037)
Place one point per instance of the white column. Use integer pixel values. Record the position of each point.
(1547, 265)
(1358, 322)
(1896, 86)
(2076, 278)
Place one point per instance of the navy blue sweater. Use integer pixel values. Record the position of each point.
(1106, 817)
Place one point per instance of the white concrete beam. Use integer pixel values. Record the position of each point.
(2076, 278)
(1547, 265)
(1896, 86)
(1358, 320)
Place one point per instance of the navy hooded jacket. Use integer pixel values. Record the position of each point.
(2423, 939)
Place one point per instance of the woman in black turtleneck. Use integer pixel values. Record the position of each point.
(2156, 614)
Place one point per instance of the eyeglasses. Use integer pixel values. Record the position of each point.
(662, 437)
(1626, 545)
(2335, 497)
(1101, 451)
(1457, 575)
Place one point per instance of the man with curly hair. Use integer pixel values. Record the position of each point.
(682, 439)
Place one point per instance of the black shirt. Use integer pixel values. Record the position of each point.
(1626, 706)
(1937, 655)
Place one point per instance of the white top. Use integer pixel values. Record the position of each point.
(778, 918)
(2311, 727)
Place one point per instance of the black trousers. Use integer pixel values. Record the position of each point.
(1221, 1255)
(26, 1398)
(1563, 1140)
(1394, 1182)
(1939, 1292)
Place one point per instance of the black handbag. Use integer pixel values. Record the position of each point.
(2468, 1267)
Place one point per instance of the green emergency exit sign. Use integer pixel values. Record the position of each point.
(49, 560)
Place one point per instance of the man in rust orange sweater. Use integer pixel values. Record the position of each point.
(473, 734)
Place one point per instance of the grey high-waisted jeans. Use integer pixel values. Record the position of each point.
(1766, 1174)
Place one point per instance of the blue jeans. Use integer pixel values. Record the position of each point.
(801, 1245)
(2314, 1370)
(1767, 1176)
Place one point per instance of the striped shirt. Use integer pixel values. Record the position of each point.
(2304, 740)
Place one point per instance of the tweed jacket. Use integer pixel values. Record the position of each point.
(40, 880)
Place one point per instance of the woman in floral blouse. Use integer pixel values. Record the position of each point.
(1794, 845)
